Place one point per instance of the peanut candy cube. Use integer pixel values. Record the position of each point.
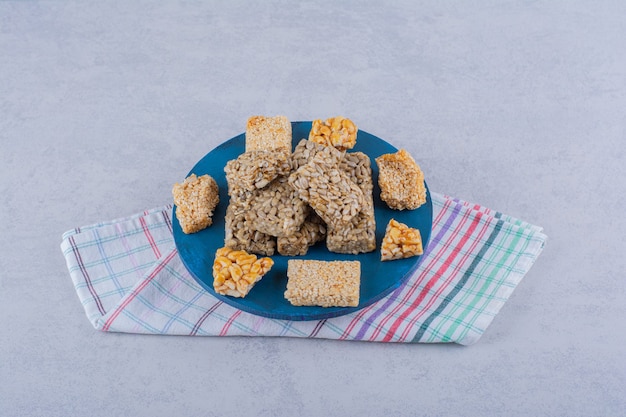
(337, 132)
(236, 271)
(400, 241)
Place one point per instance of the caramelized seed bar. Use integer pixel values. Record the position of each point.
(267, 133)
(195, 200)
(358, 166)
(313, 230)
(276, 210)
(237, 232)
(322, 283)
(236, 272)
(256, 169)
(329, 191)
(401, 181)
(307, 150)
(400, 241)
(358, 235)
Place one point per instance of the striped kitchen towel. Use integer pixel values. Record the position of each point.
(129, 278)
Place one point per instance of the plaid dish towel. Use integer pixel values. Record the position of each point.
(129, 278)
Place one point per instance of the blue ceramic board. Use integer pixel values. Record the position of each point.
(378, 279)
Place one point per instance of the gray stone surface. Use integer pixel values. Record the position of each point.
(517, 105)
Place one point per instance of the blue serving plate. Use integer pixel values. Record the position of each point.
(266, 299)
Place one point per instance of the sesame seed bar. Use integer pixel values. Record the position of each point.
(323, 283)
(359, 234)
(267, 133)
(401, 181)
(276, 209)
(195, 200)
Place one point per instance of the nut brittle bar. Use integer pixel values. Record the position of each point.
(400, 241)
(236, 272)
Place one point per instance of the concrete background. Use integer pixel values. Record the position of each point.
(517, 105)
